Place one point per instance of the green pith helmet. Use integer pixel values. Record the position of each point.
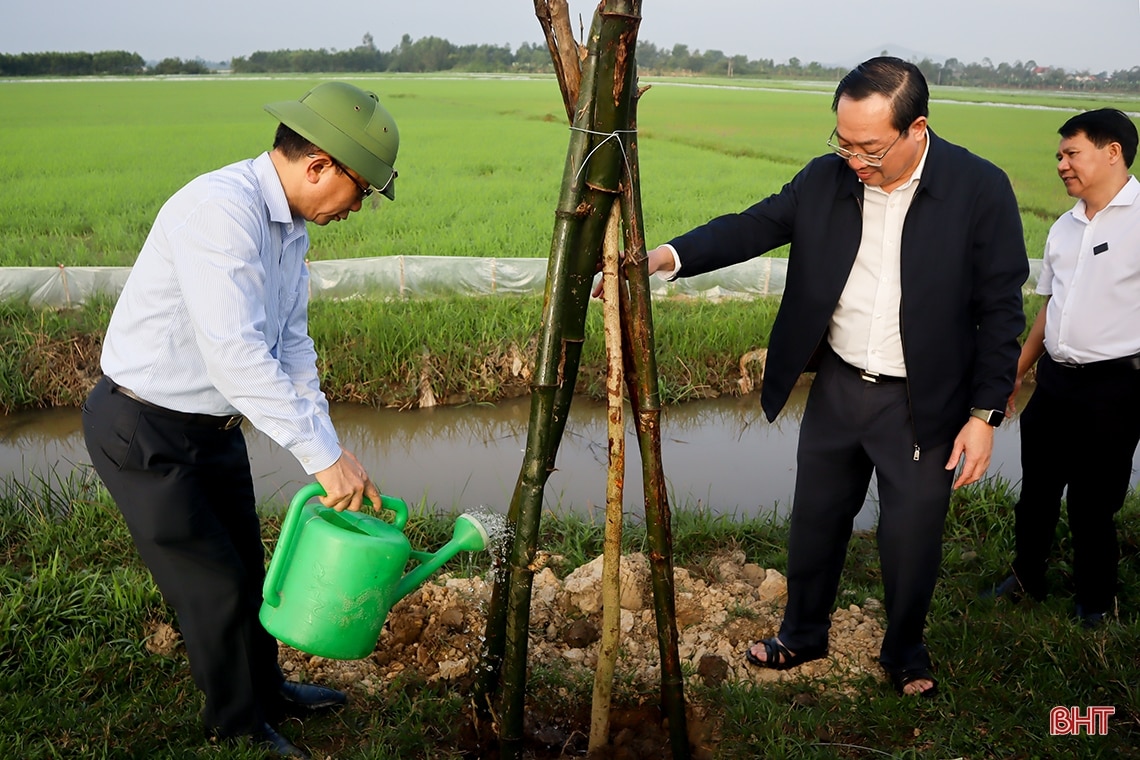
(350, 125)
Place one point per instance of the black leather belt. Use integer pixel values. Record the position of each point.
(1123, 362)
(872, 377)
(227, 422)
(875, 377)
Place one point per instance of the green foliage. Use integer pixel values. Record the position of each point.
(107, 62)
(171, 66)
(73, 602)
(433, 54)
(375, 352)
(46, 356)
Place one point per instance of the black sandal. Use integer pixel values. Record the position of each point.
(779, 657)
(902, 677)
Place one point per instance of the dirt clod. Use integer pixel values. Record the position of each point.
(163, 640)
(581, 634)
(712, 669)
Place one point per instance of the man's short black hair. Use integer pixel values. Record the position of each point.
(901, 82)
(291, 144)
(1103, 127)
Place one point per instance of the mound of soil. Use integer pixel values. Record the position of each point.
(435, 635)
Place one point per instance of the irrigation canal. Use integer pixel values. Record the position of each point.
(718, 454)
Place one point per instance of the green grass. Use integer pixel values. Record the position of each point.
(375, 352)
(480, 164)
(49, 358)
(77, 681)
(381, 348)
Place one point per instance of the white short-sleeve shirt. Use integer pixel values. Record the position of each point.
(1091, 270)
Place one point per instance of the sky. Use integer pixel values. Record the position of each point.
(1102, 35)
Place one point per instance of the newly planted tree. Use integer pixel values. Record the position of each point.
(600, 172)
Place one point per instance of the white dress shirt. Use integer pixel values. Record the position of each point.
(864, 329)
(1091, 270)
(213, 318)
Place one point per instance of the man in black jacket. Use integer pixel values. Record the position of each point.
(904, 295)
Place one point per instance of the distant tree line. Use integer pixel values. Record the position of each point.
(106, 63)
(1027, 75)
(436, 54)
(422, 55)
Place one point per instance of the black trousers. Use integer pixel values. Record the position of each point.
(850, 429)
(1080, 429)
(186, 492)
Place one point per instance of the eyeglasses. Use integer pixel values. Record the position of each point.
(864, 158)
(364, 190)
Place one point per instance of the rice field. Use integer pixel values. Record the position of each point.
(88, 163)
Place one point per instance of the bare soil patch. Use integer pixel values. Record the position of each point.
(434, 636)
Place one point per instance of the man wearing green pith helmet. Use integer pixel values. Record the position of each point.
(211, 330)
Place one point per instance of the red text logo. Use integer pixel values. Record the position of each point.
(1065, 721)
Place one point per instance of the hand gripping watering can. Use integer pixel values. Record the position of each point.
(335, 575)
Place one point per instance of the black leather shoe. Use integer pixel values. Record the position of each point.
(264, 738)
(307, 697)
(1090, 620)
(270, 740)
(1012, 589)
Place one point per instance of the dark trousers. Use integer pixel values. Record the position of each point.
(850, 429)
(1079, 429)
(186, 492)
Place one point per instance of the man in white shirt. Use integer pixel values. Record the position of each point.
(1082, 424)
(212, 329)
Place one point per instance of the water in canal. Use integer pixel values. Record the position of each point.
(720, 455)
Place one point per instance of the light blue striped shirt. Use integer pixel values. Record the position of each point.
(213, 318)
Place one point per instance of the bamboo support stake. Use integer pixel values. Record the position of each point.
(597, 162)
(645, 402)
(611, 554)
(575, 245)
(594, 183)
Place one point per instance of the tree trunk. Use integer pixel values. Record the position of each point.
(611, 555)
(645, 401)
(597, 160)
(589, 189)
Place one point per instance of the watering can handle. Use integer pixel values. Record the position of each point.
(271, 589)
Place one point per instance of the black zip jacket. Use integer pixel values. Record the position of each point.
(963, 264)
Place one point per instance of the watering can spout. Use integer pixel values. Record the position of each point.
(469, 535)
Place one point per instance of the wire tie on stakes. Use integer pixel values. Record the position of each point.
(615, 135)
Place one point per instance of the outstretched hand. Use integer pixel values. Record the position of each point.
(660, 259)
(597, 291)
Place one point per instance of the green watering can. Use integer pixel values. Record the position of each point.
(335, 575)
